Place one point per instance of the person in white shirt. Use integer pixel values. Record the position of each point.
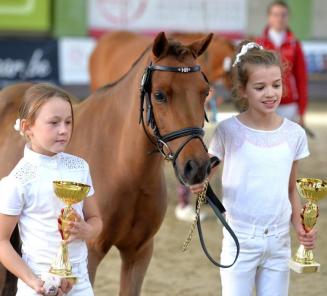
(260, 151)
(28, 198)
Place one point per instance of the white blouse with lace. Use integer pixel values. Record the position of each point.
(28, 192)
(257, 166)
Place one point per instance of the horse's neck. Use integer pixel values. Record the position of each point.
(122, 111)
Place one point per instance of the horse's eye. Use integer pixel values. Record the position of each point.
(160, 96)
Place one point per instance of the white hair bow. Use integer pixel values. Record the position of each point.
(244, 50)
(17, 127)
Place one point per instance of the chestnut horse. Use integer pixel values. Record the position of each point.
(157, 106)
(115, 53)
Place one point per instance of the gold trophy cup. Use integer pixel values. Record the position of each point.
(70, 193)
(312, 190)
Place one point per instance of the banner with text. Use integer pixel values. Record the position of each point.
(28, 60)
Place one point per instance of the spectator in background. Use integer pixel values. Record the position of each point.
(214, 100)
(278, 36)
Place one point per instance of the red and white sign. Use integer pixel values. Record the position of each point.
(74, 54)
(150, 16)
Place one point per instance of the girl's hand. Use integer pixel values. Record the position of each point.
(54, 285)
(37, 285)
(78, 229)
(197, 188)
(307, 239)
(65, 286)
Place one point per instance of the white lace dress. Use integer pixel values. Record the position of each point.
(257, 167)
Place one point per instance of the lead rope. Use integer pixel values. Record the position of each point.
(201, 199)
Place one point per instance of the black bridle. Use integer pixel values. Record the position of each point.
(191, 133)
(161, 141)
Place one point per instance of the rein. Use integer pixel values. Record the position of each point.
(207, 196)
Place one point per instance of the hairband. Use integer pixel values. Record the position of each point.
(244, 50)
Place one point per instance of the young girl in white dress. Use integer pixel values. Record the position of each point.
(27, 196)
(260, 152)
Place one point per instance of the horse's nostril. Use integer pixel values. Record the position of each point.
(190, 169)
(195, 172)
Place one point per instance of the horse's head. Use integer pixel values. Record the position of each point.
(174, 90)
(221, 52)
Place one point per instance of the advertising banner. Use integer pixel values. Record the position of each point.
(25, 15)
(28, 60)
(220, 16)
(70, 18)
(74, 56)
(316, 56)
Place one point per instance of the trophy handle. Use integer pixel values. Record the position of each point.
(310, 213)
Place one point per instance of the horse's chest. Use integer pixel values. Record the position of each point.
(139, 218)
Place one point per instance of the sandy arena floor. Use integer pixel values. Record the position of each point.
(174, 273)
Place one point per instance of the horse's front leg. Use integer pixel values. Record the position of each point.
(133, 269)
(94, 259)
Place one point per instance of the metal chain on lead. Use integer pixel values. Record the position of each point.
(201, 200)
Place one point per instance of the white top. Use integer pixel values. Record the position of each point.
(257, 167)
(28, 191)
(276, 37)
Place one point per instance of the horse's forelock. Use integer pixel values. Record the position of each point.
(177, 49)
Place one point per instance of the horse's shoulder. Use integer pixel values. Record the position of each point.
(72, 162)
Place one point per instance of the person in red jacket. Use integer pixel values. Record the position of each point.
(278, 36)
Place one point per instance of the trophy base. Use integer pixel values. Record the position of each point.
(304, 268)
(64, 274)
(71, 278)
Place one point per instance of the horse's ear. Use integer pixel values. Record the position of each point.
(160, 45)
(198, 47)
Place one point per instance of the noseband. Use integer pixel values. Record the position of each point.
(162, 140)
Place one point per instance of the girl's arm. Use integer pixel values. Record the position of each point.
(90, 227)
(10, 258)
(307, 239)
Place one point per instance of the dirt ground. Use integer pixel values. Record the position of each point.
(174, 273)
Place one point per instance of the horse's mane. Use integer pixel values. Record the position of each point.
(175, 48)
(109, 85)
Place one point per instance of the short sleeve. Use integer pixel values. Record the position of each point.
(89, 179)
(217, 144)
(302, 149)
(11, 197)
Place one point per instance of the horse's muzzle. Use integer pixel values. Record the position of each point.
(195, 172)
